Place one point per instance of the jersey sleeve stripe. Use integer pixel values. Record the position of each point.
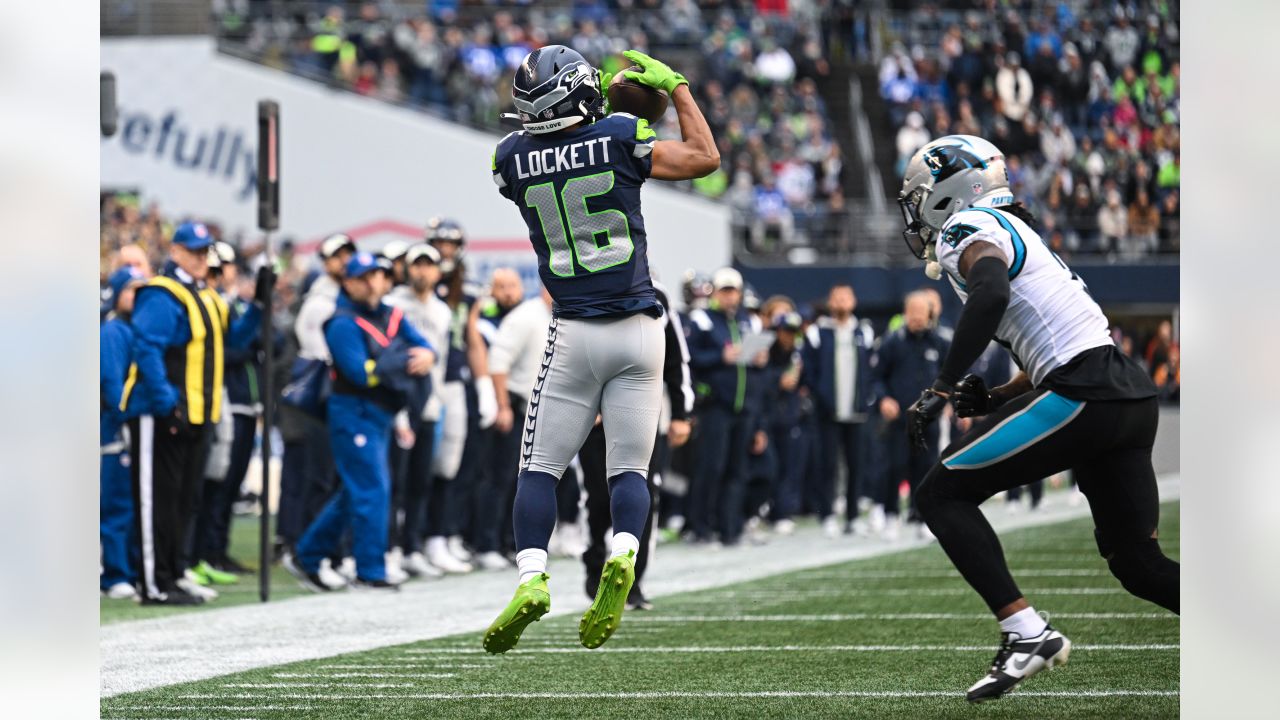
(1019, 247)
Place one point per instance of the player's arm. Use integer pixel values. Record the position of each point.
(694, 156)
(985, 270)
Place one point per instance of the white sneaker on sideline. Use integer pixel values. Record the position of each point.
(860, 527)
(458, 550)
(188, 584)
(492, 561)
(570, 540)
(438, 554)
(1075, 498)
(330, 577)
(121, 591)
(395, 574)
(830, 526)
(416, 565)
(876, 519)
(924, 532)
(348, 568)
(1012, 507)
(892, 526)
(785, 526)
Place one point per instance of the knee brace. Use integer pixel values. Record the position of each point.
(1144, 570)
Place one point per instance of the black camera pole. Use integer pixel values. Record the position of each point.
(268, 220)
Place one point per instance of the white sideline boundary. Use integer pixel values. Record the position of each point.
(144, 654)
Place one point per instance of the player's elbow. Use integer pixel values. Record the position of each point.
(708, 163)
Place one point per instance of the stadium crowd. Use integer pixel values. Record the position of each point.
(778, 408)
(753, 66)
(1083, 98)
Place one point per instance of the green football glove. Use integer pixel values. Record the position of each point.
(604, 78)
(657, 74)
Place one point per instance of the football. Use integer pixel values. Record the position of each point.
(629, 96)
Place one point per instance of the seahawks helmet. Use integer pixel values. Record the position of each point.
(445, 230)
(948, 175)
(555, 87)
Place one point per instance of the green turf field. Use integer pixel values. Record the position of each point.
(895, 636)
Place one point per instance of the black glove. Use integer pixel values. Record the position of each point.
(973, 399)
(923, 412)
(266, 282)
(175, 422)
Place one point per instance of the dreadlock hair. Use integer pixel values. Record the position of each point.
(1021, 212)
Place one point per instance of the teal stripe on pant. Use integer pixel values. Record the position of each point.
(1041, 418)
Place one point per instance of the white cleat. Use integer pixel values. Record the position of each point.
(892, 527)
(395, 574)
(784, 527)
(330, 578)
(830, 526)
(121, 591)
(458, 550)
(187, 583)
(348, 569)
(438, 555)
(417, 566)
(492, 561)
(1018, 659)
(876, 519)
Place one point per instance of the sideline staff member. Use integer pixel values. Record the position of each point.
(173, 396)
(380, 365)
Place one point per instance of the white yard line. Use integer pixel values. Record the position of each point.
(841, 617)
(143, 654)
(663, 694)
(362, 675)
(792, 648)
(787, 595)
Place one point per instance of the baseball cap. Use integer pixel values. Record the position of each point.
(118, 281)
(788, 321)
(395, 249)
(192, 236)
(334, 243)
(363, 262)
(422, 251)
(726, 277)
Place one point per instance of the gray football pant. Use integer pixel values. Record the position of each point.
(606, 366)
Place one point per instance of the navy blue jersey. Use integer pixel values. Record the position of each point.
(579, 193)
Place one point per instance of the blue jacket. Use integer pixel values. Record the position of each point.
(243, 373)
(371, 378)
(159, 323)
(737, 387)
(115, 354)
(784, 409)
(820, 366)
(907, 363)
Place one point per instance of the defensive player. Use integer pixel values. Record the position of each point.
(1078, 404)
(575, 174)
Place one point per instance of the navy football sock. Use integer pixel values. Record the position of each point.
(534, 514)
(628, 503)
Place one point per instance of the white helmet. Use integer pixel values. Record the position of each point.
(944, 177)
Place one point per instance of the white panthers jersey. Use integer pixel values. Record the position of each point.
(1051, 318)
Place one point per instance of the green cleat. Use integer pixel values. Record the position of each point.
(211, 575)
(602, 618)
(531, 602)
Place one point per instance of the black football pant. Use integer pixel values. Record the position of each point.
(213, 524)
(1107, 446)
(167, 470)
(411, 480)
(841, 440)
(592, 458)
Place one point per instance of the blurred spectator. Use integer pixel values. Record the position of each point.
(1170, 230)
(911, 137)
(1144, 223)
(1014, 87)
(1113, 222)
(772, 215)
